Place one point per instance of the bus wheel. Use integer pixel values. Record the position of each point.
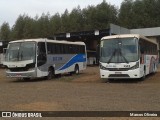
(154, 68)
(144, 75)
(50, 73)
(76, 70)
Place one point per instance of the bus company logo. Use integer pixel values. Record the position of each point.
(12, 66)
(127, 66)
(57, 58)
(6, 114)
(111, 66)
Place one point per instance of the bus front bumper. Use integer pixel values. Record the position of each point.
(132, 74)
(22, 74)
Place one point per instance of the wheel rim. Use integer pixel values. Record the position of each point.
(77, 70)
(50, 74)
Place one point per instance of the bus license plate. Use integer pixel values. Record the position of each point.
(118, 72)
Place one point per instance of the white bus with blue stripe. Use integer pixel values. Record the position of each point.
(32, 58)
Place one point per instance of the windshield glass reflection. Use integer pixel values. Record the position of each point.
(21, 51)
(119, 50)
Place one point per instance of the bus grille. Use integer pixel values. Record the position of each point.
(118, 69)
(119, 75)
(18, 69)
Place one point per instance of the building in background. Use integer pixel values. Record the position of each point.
(92, 38)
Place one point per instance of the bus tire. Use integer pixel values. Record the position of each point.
(144, 75)
(76, 70)
(154, 68)
(50, 73)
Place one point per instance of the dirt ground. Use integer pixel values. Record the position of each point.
(90, 75)
(83, 92)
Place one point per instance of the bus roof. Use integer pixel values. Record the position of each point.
(128, 36)
(48, 40)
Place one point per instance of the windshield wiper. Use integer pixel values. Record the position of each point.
(17, 56)
(120, 51)
(21, 55)
(113, 54)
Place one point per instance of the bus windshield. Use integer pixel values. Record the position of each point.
(119, 50)
(21, 51)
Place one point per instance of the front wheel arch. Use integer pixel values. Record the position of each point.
(76, 69)
(144, 73)
(51, 73)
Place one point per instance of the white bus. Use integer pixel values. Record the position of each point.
(3, 46)
(127, 56)
(31, 58)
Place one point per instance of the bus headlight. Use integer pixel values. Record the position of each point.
(102, 67)
(8, 70)
(135, 66)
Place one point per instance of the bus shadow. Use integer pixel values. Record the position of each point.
(124, 81)
(59, 77)
(29, 80)
(140, 80)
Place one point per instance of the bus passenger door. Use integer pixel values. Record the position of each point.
(42, 59)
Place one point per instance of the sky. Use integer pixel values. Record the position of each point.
(11, 9)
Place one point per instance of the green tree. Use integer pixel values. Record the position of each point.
(89, 18)
(100, 16)
(126, 14)
(28, 30)
(56, 24)
(17, 29)
(65, 22)
(139, 13)
(5, 31)
(150, 19)
(106, 14)
(157, 12)
(44, 25)
(76, 20)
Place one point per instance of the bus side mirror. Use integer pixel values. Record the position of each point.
(4, 50)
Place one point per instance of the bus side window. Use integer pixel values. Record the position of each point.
(142, 50)
(141, 47)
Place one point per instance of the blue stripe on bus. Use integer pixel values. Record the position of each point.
(75, 59)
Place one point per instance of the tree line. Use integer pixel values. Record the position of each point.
(132, 14)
